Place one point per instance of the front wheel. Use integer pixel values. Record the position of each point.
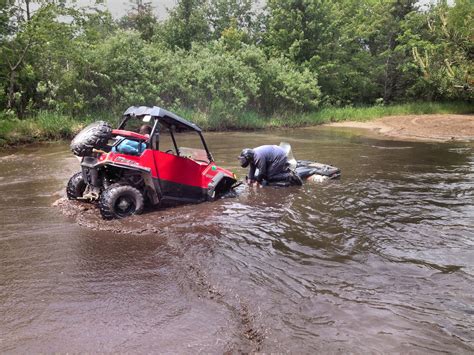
(76, 186)
(120, 201)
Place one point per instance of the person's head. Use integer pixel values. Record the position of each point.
(145, 129)
(246, 157)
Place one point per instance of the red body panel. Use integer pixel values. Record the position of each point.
(179, 170)
(169, 167)
(143, 161)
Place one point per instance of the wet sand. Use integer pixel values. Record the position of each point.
(434, 128)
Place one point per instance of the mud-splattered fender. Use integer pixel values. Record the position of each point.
(219, 184)
(93, 165)
(152, 190)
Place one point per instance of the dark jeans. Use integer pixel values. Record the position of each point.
(288, 177)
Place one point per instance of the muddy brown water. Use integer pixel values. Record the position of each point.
(380, 261)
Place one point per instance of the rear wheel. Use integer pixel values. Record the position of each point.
(76, 186)
(120, 201)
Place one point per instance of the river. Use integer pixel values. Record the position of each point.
(380, 261)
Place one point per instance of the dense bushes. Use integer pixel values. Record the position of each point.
(220, 59)
(209, 77)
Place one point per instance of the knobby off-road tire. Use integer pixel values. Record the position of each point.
(95, 135)
(76, 186)
(120, 201)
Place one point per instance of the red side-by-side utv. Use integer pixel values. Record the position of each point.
(123, 169)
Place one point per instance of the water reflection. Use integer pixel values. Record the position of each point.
(379, 261)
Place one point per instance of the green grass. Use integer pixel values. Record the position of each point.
(331, 114)
(368, 113)
(252, 120)
(47, 125)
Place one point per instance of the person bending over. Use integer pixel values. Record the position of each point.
(268, 164)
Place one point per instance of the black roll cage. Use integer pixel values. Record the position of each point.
(167, 119)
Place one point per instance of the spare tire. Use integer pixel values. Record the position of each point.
(95, 135)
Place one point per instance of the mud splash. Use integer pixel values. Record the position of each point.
(171, 222)
(87, 215)
(180, 219)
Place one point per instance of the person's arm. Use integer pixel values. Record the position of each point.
(251, 176)
(261, 165)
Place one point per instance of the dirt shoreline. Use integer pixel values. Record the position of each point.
(434, 128)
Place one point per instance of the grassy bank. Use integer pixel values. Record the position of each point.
(252, 120)
(48, 126)
(45, 126)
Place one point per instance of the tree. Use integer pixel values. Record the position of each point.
(225, 14)
(46, 58)
(392, 17)
(141, 17)
(322, 37)
(16, 41)
(441, 50)
(186, 24)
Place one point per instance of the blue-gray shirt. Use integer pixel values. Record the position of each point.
(269, 161)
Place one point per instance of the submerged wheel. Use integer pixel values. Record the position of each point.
(120, 201)
(76, 186)
(95, 135)
(223, 187)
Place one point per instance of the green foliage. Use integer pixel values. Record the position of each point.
(45, 126)
(440, 42)
(225, 14)
(284, 88)
(141, 18)
(186, 24)
(230, 63)
(220, 77)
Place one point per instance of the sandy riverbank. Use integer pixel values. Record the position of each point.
(440, 128)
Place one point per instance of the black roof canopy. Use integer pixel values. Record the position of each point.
(165, 117)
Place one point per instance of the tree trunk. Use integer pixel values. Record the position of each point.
(13, 73)
(389, 71)
(11, 89)
(28, 14)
